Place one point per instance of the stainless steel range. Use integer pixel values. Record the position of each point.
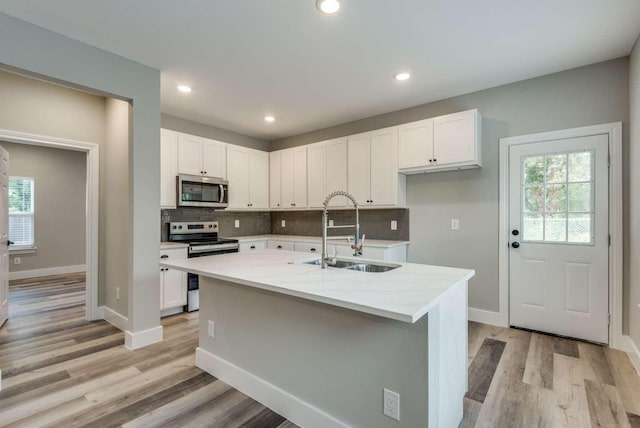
(202, 237)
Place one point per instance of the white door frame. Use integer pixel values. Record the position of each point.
(93, 179)
(614, 130)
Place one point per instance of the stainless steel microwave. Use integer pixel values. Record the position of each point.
(199, 191)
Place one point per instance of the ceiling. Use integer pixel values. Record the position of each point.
(249, 58)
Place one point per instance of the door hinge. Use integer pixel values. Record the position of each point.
(608, 160)
(609, 319)
(609, 240)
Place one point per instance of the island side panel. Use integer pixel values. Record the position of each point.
(448, 374)
(335, 360)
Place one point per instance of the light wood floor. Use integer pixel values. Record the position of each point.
(59, 370)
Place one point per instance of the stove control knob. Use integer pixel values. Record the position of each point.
(210, 226)
(179, 227)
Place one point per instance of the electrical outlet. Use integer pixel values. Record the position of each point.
(283, 223)
(394, 225)
(117, 293)
(212, 329)
(237, 223)
(330, 223)
(17, 261)
(455, 224)
(391, 404)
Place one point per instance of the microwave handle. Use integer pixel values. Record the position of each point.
(222, 193)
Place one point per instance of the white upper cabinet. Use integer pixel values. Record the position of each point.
(327, 172)
(201, 156)
(444, 143)
(416, 144)
(293, 178)
(373, 169)
(168, 168)
(316, 174)
(275, 162)
(248, 176)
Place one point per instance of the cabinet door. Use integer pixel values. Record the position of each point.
(359, 168)
(300, 177)
(168, 168)
(316, 174)
(258, 179)
(384, 167)
(286, 179)
(336, 171)
(238, 164)
(274, 179)
(454, 138)
(189, 155)
(174, 289)
(214, 159)
(415, 144)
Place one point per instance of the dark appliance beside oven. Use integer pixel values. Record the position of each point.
(203, 240)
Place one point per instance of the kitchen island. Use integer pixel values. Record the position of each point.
(320, 346)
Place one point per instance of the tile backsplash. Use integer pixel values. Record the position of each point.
(376, 224)
(251, 223)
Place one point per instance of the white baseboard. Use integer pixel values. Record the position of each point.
(294, 409)
(143, 338)
(629, 346)
(35, 273)
(485, 317)
(114, 318)
(172, 311)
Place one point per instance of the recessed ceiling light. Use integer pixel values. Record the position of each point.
(269, 119)
(184, 88)
(328, 7)
(401, 76)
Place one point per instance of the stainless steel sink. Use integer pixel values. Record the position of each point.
(354, 265)
(340, 264)
(369, 267)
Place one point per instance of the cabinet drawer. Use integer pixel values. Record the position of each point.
(253, 245)
(173, 253)
(280, 245)
(308, 247)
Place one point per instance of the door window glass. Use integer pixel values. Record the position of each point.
(557, 198)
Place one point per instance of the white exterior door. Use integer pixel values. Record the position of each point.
(559, 237)
(4, 235)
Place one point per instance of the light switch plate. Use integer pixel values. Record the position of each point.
(394, 225)
(283, 223)
(455, 224)
(330, 223)
(237, 224)
(211, 329)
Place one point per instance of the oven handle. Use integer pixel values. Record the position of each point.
(212, 248)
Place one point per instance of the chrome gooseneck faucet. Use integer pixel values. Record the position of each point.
(357, 244)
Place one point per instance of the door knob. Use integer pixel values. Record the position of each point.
(515, 232)
(515, 244)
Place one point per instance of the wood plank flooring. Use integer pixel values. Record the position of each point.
(523, 379)
(61, 371)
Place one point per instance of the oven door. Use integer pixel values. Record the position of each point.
(196, 191)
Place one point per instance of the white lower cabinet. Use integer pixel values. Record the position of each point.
(315, 248)
(252, 246)
(173, 283)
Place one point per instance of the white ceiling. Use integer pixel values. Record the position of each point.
(248, 58)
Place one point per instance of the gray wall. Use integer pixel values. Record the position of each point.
(634, 195)
(207, 131)
(54, 57)
(585, 96)
(115, 206)
(60, 188)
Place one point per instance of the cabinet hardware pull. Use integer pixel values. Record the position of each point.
(313, 250)
(279, 247)
(435, 161)
(164, 256)
(253, 247)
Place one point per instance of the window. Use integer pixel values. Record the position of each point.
(557, 198)
(21, 212)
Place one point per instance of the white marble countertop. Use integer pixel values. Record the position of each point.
(404, 294)
(171, 245)
(316, 239)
